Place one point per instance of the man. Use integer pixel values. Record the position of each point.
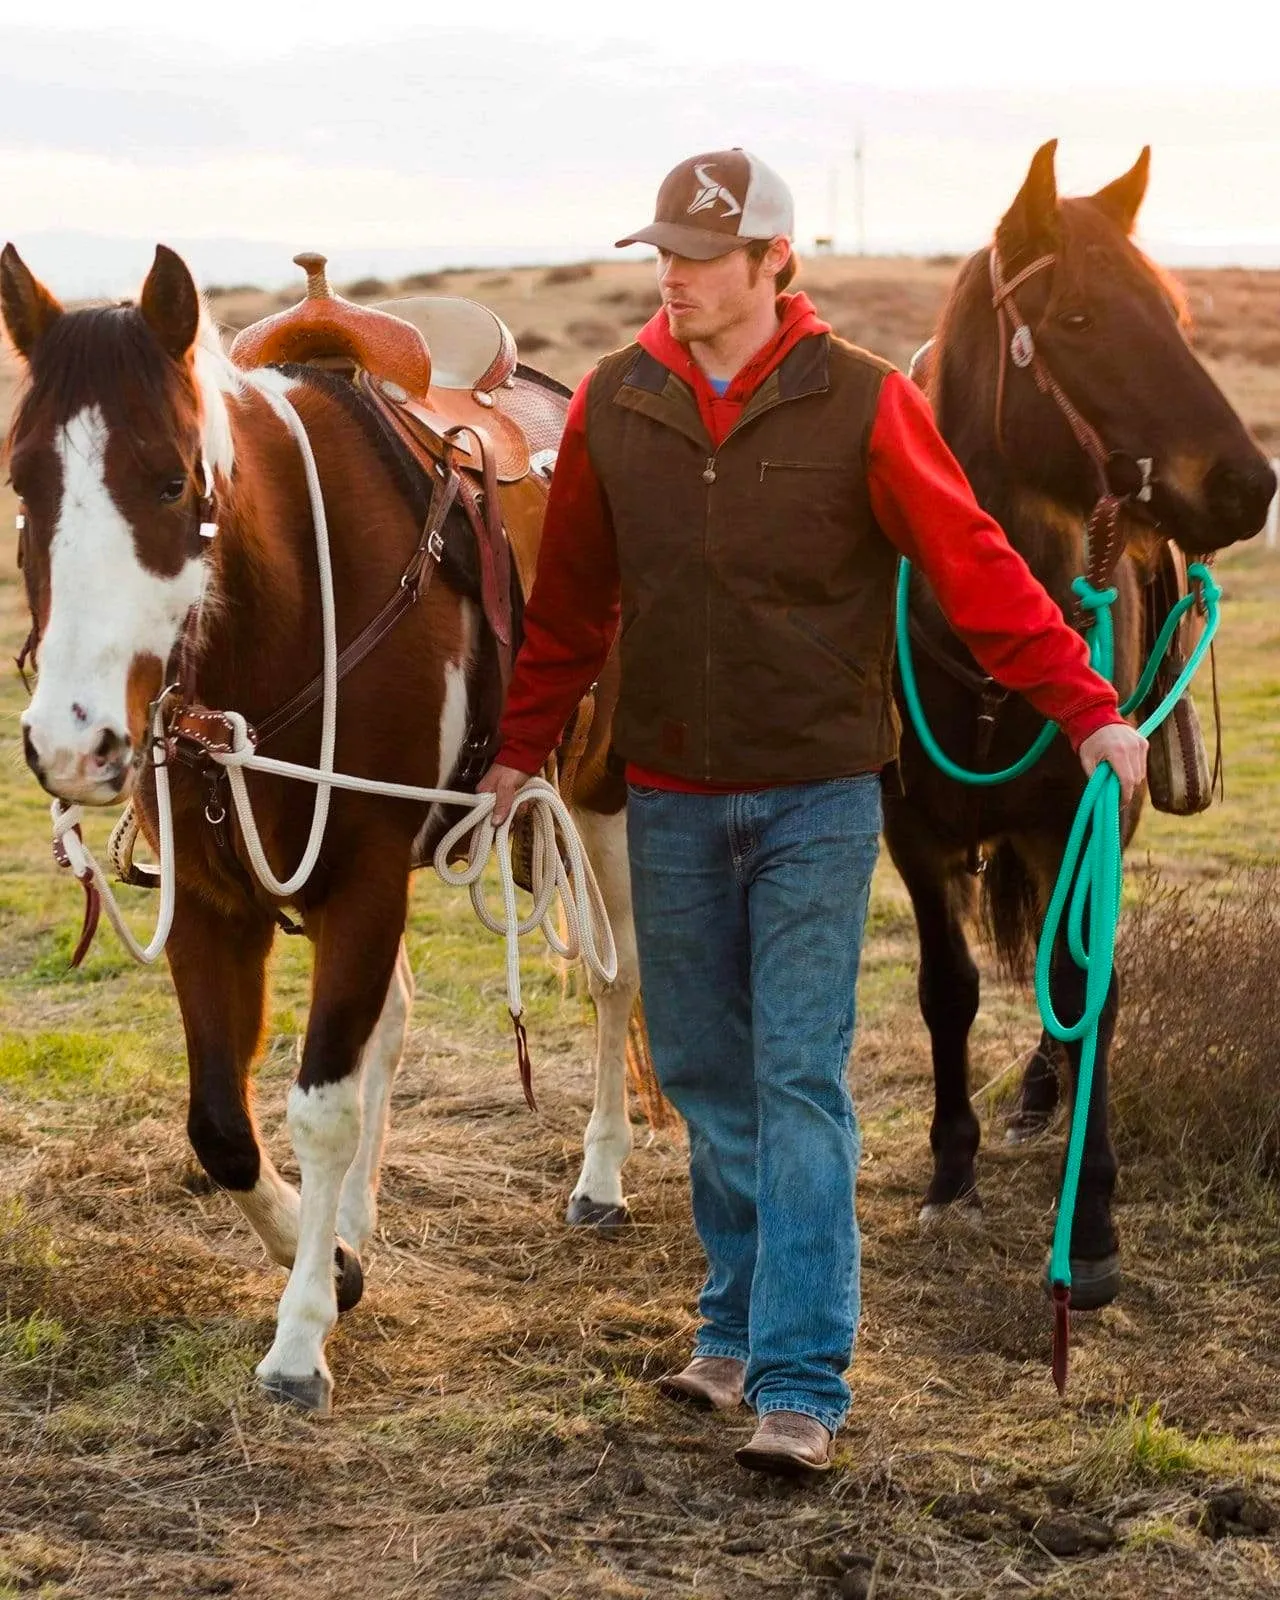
(735, 487)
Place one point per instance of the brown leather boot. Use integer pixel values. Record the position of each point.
(714, 1382)
(789, 1444)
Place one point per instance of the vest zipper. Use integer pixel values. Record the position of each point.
(708, 477)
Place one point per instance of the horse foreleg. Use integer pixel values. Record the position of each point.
(219, 972)
(379, 1062)
(948, 993)
(358, 939)
(597, 1199)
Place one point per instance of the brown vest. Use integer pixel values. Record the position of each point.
(757, 588)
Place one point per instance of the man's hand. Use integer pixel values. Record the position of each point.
(506, 783)
(1125, 748)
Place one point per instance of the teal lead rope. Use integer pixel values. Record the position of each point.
(1091, 875)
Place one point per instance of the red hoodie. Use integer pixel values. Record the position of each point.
(921, 500)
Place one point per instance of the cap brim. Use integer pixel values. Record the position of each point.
(697, 244)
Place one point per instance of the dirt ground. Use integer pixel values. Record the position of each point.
(495, 1432)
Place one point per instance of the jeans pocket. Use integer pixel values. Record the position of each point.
(861, 793)
(644, 791)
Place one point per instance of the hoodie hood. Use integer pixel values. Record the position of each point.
(797, 320)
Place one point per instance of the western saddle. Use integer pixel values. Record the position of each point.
(443, 375)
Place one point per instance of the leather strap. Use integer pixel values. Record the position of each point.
(484, 509)
(205, 732)
(1104, 540)
(460, 444)
(414, 582)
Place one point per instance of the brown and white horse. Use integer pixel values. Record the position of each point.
(134, 435)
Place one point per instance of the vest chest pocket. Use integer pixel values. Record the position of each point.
(801, 490)
(803, 515)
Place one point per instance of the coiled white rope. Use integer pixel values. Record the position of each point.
(570, 881)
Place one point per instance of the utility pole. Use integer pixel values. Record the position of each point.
(859, 192)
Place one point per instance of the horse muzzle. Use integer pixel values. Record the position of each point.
(1206, 508)
(1239, 498)
(97, 770)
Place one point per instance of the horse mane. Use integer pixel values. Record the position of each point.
(107, 356)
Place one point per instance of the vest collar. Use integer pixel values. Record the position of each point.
(655, 391)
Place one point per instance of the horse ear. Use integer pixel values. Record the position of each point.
(1031, 222)
(170, 303)
(1121, 199)
(27, 305)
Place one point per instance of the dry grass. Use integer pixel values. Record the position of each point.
(1200, 1025)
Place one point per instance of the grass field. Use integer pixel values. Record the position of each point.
(495, 1431)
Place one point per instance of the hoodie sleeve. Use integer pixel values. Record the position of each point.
(926, 507)
(572, 614)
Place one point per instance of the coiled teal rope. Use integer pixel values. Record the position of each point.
(1090, 878)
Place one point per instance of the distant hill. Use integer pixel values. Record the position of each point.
(564, 316)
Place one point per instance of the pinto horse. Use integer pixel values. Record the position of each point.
(167, 520)
(1060, 374)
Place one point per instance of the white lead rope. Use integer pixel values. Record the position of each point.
(571, 881)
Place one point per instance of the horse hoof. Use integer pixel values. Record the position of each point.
(348, 1277)
(1027, 1126)
(584, 1212)
(965, 1210)
(314, 1394)
(1094, 1284)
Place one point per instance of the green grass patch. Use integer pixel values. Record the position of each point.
(1140, 1448)
(45, 1063)
(29, 1341)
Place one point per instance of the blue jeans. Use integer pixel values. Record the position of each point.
(749, 913)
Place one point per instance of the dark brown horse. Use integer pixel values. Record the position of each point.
(134, 436)
(1107, 326)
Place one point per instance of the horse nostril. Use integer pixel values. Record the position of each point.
(1240, 496)
(29, 751)
(111, 747)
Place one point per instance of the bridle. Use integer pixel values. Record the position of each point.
(1123, 486)
(1124, 483)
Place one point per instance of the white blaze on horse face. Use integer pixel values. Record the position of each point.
(106, 609)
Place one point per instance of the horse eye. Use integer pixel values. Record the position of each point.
(1075, 321)
(173, 491)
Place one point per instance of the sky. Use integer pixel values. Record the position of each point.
(239, 134)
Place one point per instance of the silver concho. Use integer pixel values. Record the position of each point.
(1022, 347)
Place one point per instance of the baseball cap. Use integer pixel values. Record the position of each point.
(711, 204)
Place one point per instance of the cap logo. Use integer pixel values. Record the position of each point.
(711, 192)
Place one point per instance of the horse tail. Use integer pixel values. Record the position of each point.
(1010, 910)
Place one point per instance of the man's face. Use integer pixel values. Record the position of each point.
(705, 299)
